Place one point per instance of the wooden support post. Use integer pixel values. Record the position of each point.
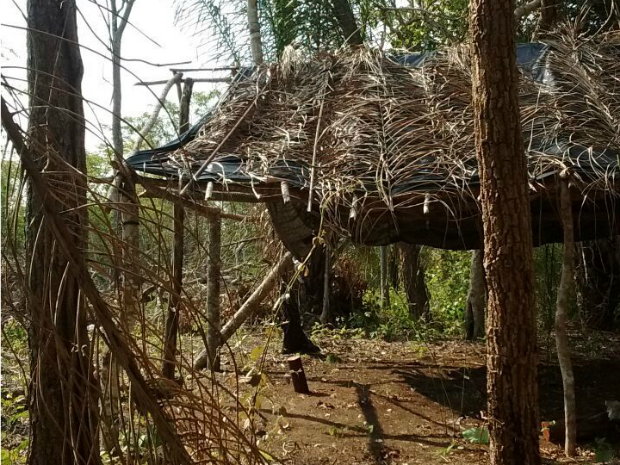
(385, 291)
(130, 235)
(172, 317)
(174, 309)
(298, 376)
(325, 314)
(249, 306)
(561, 337)
(213, 292)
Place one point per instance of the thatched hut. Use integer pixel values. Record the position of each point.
(382, 147)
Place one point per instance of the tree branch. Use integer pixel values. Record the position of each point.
(114, 338)
(526, 9)
(146, 129)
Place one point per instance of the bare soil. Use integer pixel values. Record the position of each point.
(375, 402)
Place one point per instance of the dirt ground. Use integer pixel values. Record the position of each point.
(375, 402)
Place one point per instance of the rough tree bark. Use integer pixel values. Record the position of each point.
(508, 252)
(414, 281)
(346, 20)
(62, 392)
(561, 337)
(476, 297)
(256, 43)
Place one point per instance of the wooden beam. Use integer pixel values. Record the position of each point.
(165, 194)
(249, 306)
(226, 80)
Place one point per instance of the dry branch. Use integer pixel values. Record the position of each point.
(77, 266)
(526, 9)
(146, 129)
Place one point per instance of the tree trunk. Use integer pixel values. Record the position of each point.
(346, 20)
(118, 22)
(414, 282)
(384, 285)
(549, 14)
(290, 221)
(62, 392)
(561, 337)
(474, 313)
(256, 43)
(508, 252)
(393, 266)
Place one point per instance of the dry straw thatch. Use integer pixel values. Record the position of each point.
(359, 125)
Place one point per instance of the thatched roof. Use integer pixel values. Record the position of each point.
(373, 135)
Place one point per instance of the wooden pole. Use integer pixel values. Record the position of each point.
(385, 292)
(298, 376)
(172, 317)
(325, 314)
(130, 235)
(249, 306)
(213, 291)
(561, 337)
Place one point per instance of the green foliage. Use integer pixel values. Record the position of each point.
(15, 456)
(429, 25)
(13, 411)
(333, 359)
(478, 435)
(447, 279)
(391, 323)
(548, 268)
(15, 333)
(604, 452)
(12, 206)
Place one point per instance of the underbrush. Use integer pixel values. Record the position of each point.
(389, 323)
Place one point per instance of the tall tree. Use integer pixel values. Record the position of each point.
(63, 400)
(508, 251)
(414, 281)
(476, 297)
(119, 18)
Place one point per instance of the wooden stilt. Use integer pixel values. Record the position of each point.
(172, 317)
(325, 314)
(561, 337)
(213, 292)
(385, 291)
(298, 376)
(174, 309)
(249, 306)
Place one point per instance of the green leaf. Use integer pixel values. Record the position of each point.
(476, 435)
(256, 353)
(333, 359)
(604, 452)
(267, 456)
